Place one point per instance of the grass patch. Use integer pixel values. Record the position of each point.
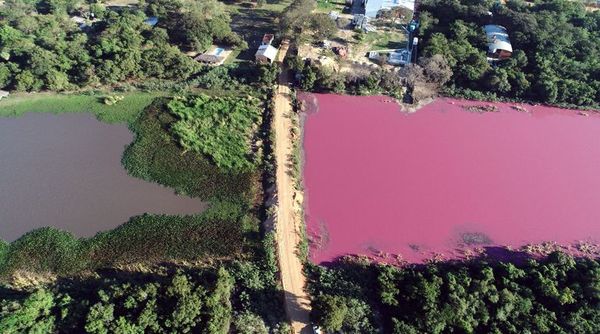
(125, 111)
(384, 40)
(326, 6)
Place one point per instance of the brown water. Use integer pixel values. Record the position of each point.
(65, 171)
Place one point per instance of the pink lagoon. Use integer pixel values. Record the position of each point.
(446, 183)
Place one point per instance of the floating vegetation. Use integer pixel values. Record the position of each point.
(220, 127)
(519, 108)
(415, 247)
(481, 108)
(475, 238)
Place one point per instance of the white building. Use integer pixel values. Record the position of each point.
(266, 54)
(372, 7)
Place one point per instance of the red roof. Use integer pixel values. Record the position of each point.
(267, 39)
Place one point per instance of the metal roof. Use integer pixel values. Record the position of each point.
(267, 50)
(372, 7)
(497, 37)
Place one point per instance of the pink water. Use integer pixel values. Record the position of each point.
(413, 187)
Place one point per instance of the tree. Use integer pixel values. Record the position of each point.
(436, 69)
(249, 323)
(323, 26)
(330, 312)
(33, 315)
(99, 318)
(268, 74)
(200, 24)
(219, 304)
(296, 18)
(309, 77)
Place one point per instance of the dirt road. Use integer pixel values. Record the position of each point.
(288, 224)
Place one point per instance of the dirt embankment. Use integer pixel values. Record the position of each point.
(288, 220)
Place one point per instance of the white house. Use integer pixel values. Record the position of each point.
(266, 54)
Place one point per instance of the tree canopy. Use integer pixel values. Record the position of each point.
(556, 47)
(61, 44)
(559, 294)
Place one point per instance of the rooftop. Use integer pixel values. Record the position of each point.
(372, 7)
(497, 38)
(268, 51)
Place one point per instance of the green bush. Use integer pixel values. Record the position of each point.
(45, 250)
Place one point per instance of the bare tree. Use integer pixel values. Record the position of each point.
(436, 69)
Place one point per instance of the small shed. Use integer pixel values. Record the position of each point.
(3, 94)
(265, 54)
(215, 55)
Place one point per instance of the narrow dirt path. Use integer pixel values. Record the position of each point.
(288, 224)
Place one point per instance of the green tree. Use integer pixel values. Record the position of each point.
(33, 315)
(219, 304)
(330, 312)
(323, 26)
(249, 323)
(99, 318)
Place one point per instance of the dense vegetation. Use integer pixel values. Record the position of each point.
(43, 48)
(241, 296)
(219, 232)
(180, 303)
(556, 295)
(556, 47)
(156, 156)
(220, 127)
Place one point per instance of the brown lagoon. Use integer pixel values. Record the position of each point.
(65, 171)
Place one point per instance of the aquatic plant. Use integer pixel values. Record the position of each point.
(220, 127)
(156, 156)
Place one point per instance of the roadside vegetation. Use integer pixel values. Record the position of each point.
(556, 295)
(556, 45)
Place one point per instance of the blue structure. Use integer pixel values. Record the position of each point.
(151, 21)
(372, 7)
